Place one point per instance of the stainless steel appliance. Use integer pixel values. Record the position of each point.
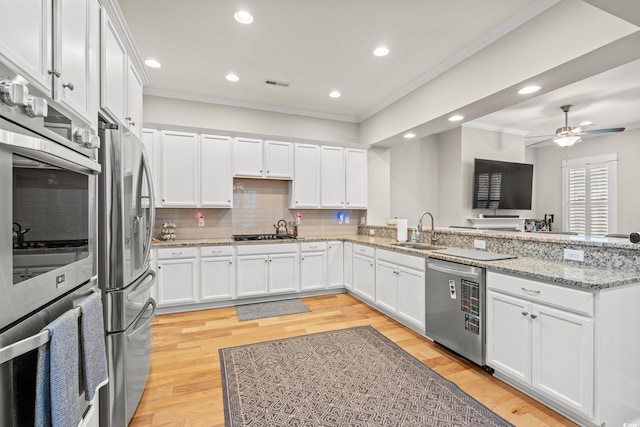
(48, 188)
(126, 217)
(455, 308)
(49, 191)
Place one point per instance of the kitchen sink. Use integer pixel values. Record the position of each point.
(415, 245)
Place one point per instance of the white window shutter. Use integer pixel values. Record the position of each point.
(590, 195)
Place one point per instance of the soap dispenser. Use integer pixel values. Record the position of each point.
(415, 237)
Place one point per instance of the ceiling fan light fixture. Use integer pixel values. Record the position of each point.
(566, 141)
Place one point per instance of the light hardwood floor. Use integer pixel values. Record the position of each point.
(185, 390)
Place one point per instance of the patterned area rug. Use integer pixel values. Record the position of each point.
(270, 309)
(350, 377)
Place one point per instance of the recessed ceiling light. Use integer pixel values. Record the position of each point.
(243, 17)
(456, 118)
(409, 135)
(152, 63)
(529, 89)
(232, 77)
(381, 51)
(335, 94)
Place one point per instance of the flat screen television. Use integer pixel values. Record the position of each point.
(502, 185)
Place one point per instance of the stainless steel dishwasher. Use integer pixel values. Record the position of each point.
(455, 307)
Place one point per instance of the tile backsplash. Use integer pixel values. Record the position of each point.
(257, 205)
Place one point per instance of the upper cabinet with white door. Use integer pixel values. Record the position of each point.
(332, 173)
(356, 178)
(216, 176)
(305, 191)
(121, 74)
(53, 45)
(255, 158)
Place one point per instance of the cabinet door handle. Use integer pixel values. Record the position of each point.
(55, 72)
(302, 259)
(530, 291)
(533, 316)
(68, 85)
(230, 262)
(524, 313)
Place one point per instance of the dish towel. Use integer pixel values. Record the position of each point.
(57, 375)
(94, 356)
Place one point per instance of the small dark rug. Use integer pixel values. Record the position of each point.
(270, 309)
(349, 377)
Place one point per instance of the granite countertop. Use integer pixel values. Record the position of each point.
(561, 273)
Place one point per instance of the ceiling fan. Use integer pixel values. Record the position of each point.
(567, 135)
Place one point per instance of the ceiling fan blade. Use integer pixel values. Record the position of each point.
(539, 136)
(540, 142)
(599, 131)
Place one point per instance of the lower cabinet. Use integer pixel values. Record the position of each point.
(217, 273)
(335, 264)
(364, 272)
(313, 266)
(177, 275)
(400, 286)
(542, 337)
(267, 269)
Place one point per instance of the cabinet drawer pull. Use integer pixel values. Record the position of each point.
(313, 247)
(363, 250)
(524, 313)
(176, 253)
(530, 290)
(533, 316)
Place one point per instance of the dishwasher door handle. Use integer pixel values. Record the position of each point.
(463, 273)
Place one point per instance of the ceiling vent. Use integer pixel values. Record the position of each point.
(272, 82)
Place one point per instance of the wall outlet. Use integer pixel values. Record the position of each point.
(574, 255)
(372, 232)
(200, 220)
(479, 244)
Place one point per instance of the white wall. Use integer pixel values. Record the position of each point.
(414, 179)
(379, 197)
(245, 121)
(450, 200)
(548, 175)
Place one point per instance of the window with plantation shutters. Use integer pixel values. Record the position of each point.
(589, 195)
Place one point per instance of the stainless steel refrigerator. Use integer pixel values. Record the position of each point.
(125, 218)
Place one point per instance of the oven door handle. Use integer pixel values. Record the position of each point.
(137, 326)
(138, 287)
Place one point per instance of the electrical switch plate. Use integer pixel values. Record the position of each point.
(372, 232)
(200, 220)
(479, 244)
(574, 255)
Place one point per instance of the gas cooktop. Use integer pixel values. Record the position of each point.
(245, 237)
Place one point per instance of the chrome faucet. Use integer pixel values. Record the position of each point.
(433, 233)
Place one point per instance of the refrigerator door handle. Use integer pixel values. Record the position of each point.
(139, 327)
(138, 288)
(152, 204)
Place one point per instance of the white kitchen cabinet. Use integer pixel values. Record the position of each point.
(278, 159)
(335, 265)
(313, 266)
(113, 74)
(332, 177)
(364, 272)
(255, 158)
(216, 176)
(52, 45)
(306, 177)
(543, 338)
(133, 118)
(400, 287)
(179, 178)
(348, 265)
(151, 141)
(26, 36)
(177, 276)
(217, 273)
(121, 83)
(356, 178)
(267, 269)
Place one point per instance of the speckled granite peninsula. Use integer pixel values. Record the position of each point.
(608, 262)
